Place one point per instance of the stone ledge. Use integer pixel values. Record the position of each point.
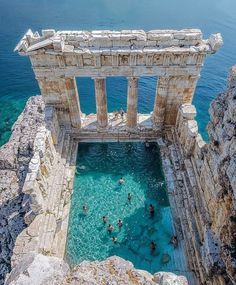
(67, 41)
(38, 269)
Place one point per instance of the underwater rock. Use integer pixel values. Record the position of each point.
(165, 258)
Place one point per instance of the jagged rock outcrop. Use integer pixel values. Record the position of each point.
(14, 160)
(38, 269)
(211, 183)
(221, 157)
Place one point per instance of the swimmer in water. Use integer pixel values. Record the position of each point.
(104, 219)
(129, 197)
(85, 209)
(121, 181)
(151, 210)
(120, 223)
(114, 239)
(174, 241)
(152, 247)
(110, 228)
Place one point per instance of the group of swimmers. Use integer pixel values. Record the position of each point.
(110, 227)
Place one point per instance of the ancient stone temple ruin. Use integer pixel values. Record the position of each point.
(39, 159)
(176, 57)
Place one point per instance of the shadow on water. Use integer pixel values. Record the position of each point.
(139, 231)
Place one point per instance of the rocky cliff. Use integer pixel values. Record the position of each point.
(14, 161)
(221, 158)
(38, 269)
(211, 183)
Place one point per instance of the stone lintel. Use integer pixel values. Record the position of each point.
(106, 71)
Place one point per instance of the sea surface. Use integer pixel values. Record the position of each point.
(17, 82)
(99, 168)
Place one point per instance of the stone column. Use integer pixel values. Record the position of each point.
(101, 102)
(160, 102)
(62, 94)
(73, 102)
(132, 102)
(172, 91)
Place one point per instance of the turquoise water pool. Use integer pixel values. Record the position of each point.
(99, 167)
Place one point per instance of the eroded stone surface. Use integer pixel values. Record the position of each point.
(15, 157)
(211, 187)
(38, 269)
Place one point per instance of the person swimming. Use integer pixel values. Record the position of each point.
(110, 228)
(104, 219)
(85, 209)
(174, 241)
(120, 223)
(152, 246)
(129, 197)
(152, 210)
(121, 181)
(114, 239)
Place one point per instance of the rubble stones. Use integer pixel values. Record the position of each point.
(38, 269)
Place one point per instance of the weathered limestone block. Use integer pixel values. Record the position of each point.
(52, 123)
(48, 33)
(214, 165)
(62, 95)
(38, 269)
(215, 41)
(167, 278)
(173, 92)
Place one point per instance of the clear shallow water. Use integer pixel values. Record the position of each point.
(17, 79)
(99, 167)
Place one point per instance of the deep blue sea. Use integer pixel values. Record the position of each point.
(17, 81)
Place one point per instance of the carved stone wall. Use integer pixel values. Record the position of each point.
(214, 182)
(36, 177)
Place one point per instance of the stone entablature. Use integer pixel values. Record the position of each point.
(176, 57)
(117, 53)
